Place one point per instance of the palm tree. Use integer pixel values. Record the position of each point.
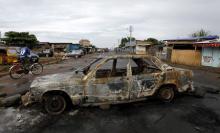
(200, 33)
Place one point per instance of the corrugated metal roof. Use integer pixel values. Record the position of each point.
(194, 38)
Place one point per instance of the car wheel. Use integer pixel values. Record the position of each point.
(166, 94)
(54, 104)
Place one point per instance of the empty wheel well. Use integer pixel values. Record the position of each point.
(169, 85)
(61, 93)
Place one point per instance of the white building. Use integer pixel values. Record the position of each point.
(138, 47)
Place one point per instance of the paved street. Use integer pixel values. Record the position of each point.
(185, 114)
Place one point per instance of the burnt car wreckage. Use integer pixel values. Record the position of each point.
(110, 80)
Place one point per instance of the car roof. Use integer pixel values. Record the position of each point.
(125, 56)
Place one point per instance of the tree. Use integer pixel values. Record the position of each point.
(20, 39)
(200, 33)
(153, 41)
(126, 40)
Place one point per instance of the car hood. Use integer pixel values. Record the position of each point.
(183, 73)
(59, 80)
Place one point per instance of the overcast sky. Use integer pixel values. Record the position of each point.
(104, 22)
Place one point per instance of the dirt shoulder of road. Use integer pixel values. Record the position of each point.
(4, 69)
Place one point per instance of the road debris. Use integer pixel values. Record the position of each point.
(3, 94)
(199, 92)
(10, 101)
(73, 113)
(198, 129)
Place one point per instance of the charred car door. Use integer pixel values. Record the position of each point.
(108, 85)
(145, 79)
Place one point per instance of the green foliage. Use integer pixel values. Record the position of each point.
(20, 39)
(153, 41)
(126, 40)
(200, 33)
(93, 46)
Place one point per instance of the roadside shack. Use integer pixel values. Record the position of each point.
(210, 52)
(186, 51)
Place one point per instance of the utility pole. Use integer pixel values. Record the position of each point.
(130, 30)
(1, 38)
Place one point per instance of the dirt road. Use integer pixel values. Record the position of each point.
(21, 85)
(185, 114)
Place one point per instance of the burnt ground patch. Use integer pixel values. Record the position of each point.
(185, 114)
(127, 118)
(204, 119)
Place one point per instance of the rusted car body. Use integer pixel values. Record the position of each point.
(111, 80)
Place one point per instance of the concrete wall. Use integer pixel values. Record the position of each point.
(141, 50)
(211, 56)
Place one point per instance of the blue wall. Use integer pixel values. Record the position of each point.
(211, 56)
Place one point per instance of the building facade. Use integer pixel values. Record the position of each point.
(59, 47)
(140, 47)
(85, 43)
(210, 53)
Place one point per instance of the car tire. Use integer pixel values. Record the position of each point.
(55, 104)
(166, 94)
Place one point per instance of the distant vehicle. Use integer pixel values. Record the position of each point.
(34, 58)
(101, 50)
(75, 53)
(74, 50)
(46, 53)
(111, 80)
